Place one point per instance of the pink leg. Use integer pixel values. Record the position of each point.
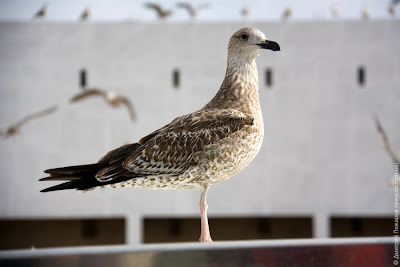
(205, 231)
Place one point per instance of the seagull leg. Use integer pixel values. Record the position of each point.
(205, 231)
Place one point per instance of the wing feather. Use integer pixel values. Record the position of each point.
(156, 7)
(36, 115)
(129, 106)
(87, 93)
(172, 149)
(389, 148)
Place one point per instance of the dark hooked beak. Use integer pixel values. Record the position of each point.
(274, 46)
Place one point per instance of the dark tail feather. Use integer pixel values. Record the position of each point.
(60, 178)
(63, 186)
(79, 177)
(73, 170)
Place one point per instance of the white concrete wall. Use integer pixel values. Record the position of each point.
(321, 154)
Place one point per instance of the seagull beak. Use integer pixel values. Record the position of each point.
(274, 46)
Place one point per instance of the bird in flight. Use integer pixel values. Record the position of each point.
(389, 148)
(112, 98)
(41, 12)
(244, 12)
(161, 13)
(192, 10)
(365, 14)
(193, 151)
(85, 14)
(15, 128)
(287, 13)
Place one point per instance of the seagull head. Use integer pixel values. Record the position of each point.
(247, 43)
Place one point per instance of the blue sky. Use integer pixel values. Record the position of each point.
(218, 10)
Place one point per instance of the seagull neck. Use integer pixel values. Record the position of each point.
(239, 89)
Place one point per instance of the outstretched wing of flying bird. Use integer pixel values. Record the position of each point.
(15, 128)
(125, 101)
(88, 93)
(389, 148)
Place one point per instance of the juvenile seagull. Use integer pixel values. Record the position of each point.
(110, 97)
(194, 151)
(161, 13)
(16, 127)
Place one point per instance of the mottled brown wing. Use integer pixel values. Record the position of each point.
(171, 149)
(87, 93)
(112, 163)
(118, 153)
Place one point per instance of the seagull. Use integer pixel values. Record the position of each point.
(112, 98)
(244, 12)
(16, 127)
(335, 11)
(162, 13)
(191, 9)
(41, 12)
(85, 14)
(392, 9)
(365, 13)
(287, 13)
(386, 143)
(193, 151)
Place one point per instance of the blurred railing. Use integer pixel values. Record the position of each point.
(294, 252)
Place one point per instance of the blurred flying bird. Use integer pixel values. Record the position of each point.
(85, 14)
(386, 143)
(161, 13)
(110, 97)
(191, 9)
(245, 12)
(15, 128)
(365, 13)
(392, 9)
(335, 11)
(287, 13)
(41, 12)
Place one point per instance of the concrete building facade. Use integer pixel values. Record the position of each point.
(321, 157)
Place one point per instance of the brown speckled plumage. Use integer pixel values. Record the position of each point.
(194, 151)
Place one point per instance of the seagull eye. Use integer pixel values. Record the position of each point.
(244, 37)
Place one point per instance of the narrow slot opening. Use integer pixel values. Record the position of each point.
(83, 78)
(176, 78)
(361, 75)
(268, 77)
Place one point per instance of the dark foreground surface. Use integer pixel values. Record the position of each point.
(300, 252)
